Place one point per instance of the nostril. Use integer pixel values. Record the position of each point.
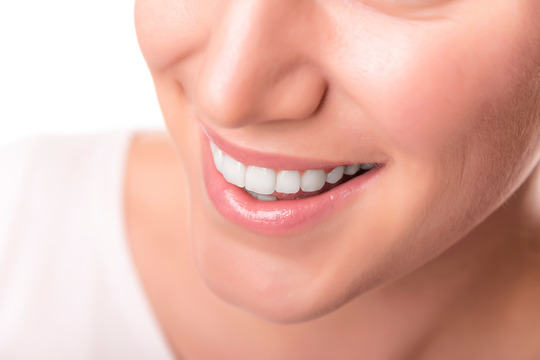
(297, 96)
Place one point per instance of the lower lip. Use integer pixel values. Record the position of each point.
(276, 218)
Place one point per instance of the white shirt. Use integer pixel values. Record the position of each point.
(68, 286)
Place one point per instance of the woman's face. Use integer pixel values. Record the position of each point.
(440, 94)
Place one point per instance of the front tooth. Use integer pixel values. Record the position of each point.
(352, 169)
(313, 180)
(260, 180)
(335, 175)
(234, 171)
(288, 182)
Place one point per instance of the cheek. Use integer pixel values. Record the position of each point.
(426, 88)
(450, 113)
(437, 101)
(171, 30)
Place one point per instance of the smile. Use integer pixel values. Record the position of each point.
(270, 185)
(247, 188)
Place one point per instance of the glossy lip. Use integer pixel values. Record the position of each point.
(269, 161)
(276, 218)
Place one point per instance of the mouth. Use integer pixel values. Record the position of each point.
(266, 184)
(276, 201)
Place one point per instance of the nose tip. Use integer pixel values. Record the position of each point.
(235, 102)
(254, 69)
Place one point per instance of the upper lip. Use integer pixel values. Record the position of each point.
(267, 160)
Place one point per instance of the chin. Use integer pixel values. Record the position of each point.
(281, 303)
(274, 288)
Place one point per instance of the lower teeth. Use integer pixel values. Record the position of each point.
(261, 196)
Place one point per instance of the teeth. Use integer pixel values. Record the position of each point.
(366, 166)
(218, 159)
(266, 197)
(335, 175)
(288, 182)
(262, 182)
(351, 169)
(313, 180)
(233, 171)
(262, 197)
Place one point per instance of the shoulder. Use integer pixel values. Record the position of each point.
(16, 159)
(152, 151)
(154, 174)
(52, 187)
(40, 157)
(65, 271)
(41, 167)
(47, 183)
(156, 190)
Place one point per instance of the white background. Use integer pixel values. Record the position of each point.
(70, 66)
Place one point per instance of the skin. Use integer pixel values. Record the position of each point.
(438, 259)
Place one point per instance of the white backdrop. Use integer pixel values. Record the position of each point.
(70, 66)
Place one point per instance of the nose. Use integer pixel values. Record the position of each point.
(257, 64)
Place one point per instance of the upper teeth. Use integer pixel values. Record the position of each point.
(265, 181)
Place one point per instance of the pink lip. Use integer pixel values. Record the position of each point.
(269, 161)
(275, 218)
